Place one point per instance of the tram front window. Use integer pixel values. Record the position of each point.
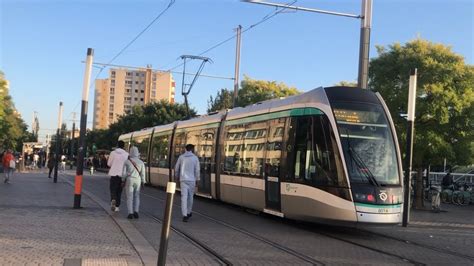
(367, 142)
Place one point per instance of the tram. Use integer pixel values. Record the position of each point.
(327, 155)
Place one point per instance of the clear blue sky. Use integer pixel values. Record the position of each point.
(44, 41)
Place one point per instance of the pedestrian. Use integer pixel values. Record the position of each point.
(187, 172)
(134, 178)
(448, 182)
(116, 161)
(9, 164)
(51, 163)
(63, 162)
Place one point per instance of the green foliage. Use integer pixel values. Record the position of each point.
(444, 124)
(223, 100)
(251, 91)
(13, 130)
(150, 115)
(345, 83)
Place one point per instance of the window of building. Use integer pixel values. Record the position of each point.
(136, 91)
(129, 74)
(112, 82)
(136, 99)
(142, 91)
(112, 90)
(136, 82)
(141, 99)
(137, 74)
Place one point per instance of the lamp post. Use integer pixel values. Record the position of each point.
(58, 142)
(82, 134)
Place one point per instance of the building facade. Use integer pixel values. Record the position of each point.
(126, 88)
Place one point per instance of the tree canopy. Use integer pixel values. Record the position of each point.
(152, 114)
(13, 130)
(251, 91)
(444, 123)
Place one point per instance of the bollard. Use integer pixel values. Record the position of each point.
(165, 228)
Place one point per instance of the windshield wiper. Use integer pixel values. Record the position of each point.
(360, 163)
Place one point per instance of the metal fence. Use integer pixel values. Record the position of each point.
(436, 178)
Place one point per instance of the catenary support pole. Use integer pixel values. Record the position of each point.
(71, 151)
(365, 25)
(409, 150)
(165, 227)
(83, 122)
(58, 142)
(237, 66)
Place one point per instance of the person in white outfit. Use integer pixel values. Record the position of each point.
(116, 160)
(134, 177)
(187, 172)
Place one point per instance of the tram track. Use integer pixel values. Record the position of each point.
(199, 244)
(332, 236)
(271, 243)
(446, 251)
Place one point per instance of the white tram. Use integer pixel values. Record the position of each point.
(330, 154)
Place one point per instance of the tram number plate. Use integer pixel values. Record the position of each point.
(383, 210)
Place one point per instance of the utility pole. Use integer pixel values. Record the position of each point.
(409, 151)
(58, 142)
(71, 151)
(81, 145)
(365, 25)
(366, 20)
(237, 66)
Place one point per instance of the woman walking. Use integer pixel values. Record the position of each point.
(134, 178)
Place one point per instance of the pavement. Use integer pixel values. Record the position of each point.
(38, 226)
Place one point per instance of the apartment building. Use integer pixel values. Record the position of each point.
(126, 88)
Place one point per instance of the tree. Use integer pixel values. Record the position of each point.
(223, 100)
(444, 124)
(345, 83)
(150, 115)
(13, 130)
(251, 91)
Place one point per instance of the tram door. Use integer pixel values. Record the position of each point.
(272, 163)
(205, 152)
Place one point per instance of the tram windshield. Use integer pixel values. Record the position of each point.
(367, 142)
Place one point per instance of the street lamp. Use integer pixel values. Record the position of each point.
(366, 22)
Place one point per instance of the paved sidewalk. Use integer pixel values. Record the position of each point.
(38, 226)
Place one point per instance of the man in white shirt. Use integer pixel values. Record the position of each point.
(116, 161)
(187, 171)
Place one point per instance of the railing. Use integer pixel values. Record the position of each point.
(437, 177)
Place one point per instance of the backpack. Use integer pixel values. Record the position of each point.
(12, 164)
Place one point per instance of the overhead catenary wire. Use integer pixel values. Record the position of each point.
(135, 38)
(162, 71)
(265, 18)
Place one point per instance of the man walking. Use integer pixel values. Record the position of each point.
(116, 161)
(8, 162)
(187, 172)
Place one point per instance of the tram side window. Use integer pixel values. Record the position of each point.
(314, 158)
(245, 148)
(179, 145)
(142, 144)
(205, 151)
(274, 146)
(234, 147)
(159, 153)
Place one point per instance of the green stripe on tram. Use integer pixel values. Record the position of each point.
(275, 115)
(377, 205)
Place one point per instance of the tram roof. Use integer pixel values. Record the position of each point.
(274, 105)
(202, 120)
